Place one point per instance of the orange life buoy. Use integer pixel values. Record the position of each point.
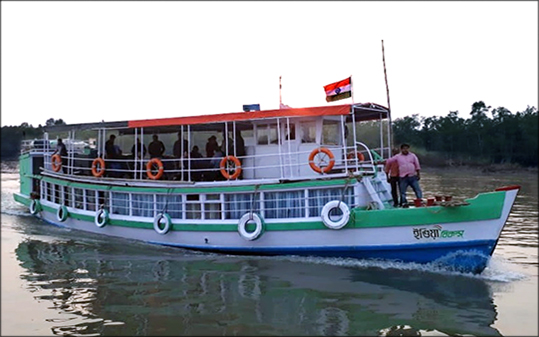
(161, 168)
(317, 167)
(98, 167)
(237, 169)
(56, 162)
(360, 156)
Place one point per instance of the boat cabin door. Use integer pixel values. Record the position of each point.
(289, 149)
(299, 140)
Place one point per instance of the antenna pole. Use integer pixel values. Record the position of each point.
(390, 126)
(280, 97)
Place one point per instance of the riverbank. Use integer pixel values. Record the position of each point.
(483, 168)
(431, 159)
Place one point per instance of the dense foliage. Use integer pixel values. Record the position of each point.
(489, 136)
(13, 135)
(502, 137)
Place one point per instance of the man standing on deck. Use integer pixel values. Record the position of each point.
(62, 151)
(156, 148)
(392, 171)
(408, 173)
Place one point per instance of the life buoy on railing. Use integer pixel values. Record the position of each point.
(330, 206)
(101, 218)
(160, 168)
(35, 206)
(56, 162)
(98, 167)
(242, 226)
(224, 170)
(158, 221)
(62, 213)
(317, 167)
(359, 155)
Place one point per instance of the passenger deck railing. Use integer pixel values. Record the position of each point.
(357, 159)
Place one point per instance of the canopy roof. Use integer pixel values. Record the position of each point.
(361, 112)
(242, 116)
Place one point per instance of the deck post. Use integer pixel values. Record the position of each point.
(355, 136)
(343, 138)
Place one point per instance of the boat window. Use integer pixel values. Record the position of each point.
(212, 206)
(90, 200)
(142, 205)
(330, 132)
(192, 207)
(237, 204)
(56, 192)
(248, 137)
(289, 204)
(120, 203)
(67, 196)
(308, 132)
(170, 204)
(45, 191)
(319, 197)
(102, 198)
(290, 132)
(50, 192)
(266, 134)
(79, 198)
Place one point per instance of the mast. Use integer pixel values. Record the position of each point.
(390, 126)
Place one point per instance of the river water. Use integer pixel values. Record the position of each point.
(61, 282)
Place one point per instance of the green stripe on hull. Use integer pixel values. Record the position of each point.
(22, 199)
(486, 206)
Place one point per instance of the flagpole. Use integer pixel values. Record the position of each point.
(390, 126)
(352, 89)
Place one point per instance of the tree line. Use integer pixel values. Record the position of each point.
(489, 136)
(12, 136)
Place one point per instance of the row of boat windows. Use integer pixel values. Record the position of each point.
(271, 205)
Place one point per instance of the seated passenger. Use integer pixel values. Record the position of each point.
(214, 172)
(195, 153)
(197, 164)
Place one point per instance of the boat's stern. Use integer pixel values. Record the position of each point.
(30, 164)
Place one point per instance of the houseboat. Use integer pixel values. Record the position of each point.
(298, 181)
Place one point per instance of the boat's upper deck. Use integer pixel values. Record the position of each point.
(285, 144)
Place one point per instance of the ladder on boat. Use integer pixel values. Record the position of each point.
(379, 192)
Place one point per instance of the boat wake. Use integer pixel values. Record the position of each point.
(14, 212)
(10, 207)
(497, 270)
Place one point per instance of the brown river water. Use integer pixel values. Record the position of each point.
(61, 282)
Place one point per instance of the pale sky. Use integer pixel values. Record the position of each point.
(92, 61)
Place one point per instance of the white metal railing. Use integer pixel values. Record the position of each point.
(35, 146)
(79, 162)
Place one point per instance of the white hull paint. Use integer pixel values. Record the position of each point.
(485, 232)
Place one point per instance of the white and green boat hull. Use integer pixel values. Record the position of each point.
(460, 238)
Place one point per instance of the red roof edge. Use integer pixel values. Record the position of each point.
(242, 116)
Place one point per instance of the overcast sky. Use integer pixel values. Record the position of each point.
(92, 61)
